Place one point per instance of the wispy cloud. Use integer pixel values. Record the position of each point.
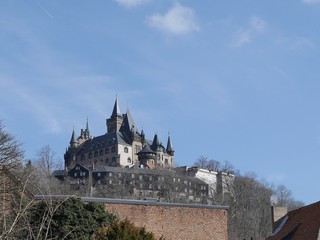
(131, 3)
(244, 35)
(296, 42)
(178, 20)
(311, 1)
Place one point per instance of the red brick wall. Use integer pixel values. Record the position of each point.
(175, 221)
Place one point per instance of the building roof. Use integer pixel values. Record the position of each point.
(106, 140)
(303, 223)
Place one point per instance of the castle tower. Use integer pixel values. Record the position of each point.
(169, 148)
(73, 141)
(146, 157)
(115, 121)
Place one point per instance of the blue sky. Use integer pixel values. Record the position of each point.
(230, 80)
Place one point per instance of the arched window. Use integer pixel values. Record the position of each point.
(126, 150)
(96, 153)
(129, 160)
(106, 151)
(101, 152)
(113, 149)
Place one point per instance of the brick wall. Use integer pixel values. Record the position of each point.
(174, 221)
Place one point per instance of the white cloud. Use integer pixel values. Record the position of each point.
(241, 37)
(178, 20)
(311, 1)
(257, 24)
(131, 3)
(245, 35)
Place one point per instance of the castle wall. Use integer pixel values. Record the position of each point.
(174, 221)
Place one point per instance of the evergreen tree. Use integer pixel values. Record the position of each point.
(67, 219)
(123, 230)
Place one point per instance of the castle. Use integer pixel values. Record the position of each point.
(121, 146)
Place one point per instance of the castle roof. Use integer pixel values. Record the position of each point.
(106, 140)
(146, 149)
(116, 109)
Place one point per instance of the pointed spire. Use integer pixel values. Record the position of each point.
(155, 142)
(116, 109)
(87, 128)
(73, 140)
(169, 146)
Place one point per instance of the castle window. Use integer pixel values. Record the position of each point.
(140, 177)
(106, 151)
(120, 175)
(75, 174)
(129, 160)
(110, 181)
(74, 157)
(110, 174)
(150, 178)
(90, 155)
(99, 182)
(101, 152)
(113, 149)
(150, 186)
(137, 149)
(107, 160)
(166, 161)
(132, 175)
(99, 174)
(78, 168)
(126, 150)
(96, 153)
(113, 159)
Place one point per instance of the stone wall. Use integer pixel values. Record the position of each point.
(174, 221)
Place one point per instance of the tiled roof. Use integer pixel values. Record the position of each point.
(303, 223)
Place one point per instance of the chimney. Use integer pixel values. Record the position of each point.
(277, 212)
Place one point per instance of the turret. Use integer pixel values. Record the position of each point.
(143, 137)
(169, 148)
(155, 143)
(115, 121)
(146, 156)
(73, 140)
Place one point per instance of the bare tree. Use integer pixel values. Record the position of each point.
(214, 165)
(282, 196)
(46, 160)
(11, 153)
(201, 162)
(249, 214)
